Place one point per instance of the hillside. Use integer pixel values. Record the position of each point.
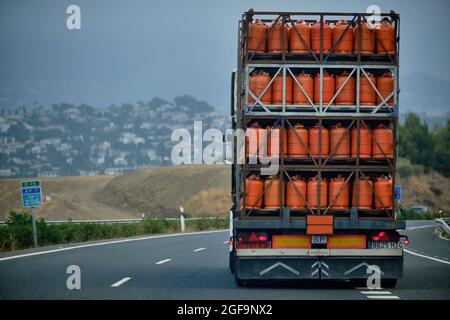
(202, 190)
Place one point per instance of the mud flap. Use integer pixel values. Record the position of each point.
(332, 268)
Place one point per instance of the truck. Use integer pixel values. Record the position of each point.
(316, 97)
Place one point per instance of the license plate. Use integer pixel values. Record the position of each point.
(384, 245)
(319, 239)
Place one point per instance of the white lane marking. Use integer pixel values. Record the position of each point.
(163, 261)
(226, 242)
(120, 282)
(421, 227)
(426, 257)
(107, 242)
(384, 297)
(199, 249)
(375, 292)
(365, 288)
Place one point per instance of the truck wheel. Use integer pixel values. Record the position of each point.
(388, 283)
(239, 282)
(231, 261)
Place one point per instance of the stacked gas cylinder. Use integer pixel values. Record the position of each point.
(309, 141)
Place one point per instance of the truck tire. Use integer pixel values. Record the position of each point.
(240, 282)
(388, 283)
(231, 261)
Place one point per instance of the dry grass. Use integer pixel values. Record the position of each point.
(161, 191)
(432, 190)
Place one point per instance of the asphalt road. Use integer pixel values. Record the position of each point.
(195, 266)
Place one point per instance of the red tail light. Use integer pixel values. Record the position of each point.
(381, 236)
(253, 237)
(406, 242)
(253, 240)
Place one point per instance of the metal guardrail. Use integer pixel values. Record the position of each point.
(444, 223)
(111, 221)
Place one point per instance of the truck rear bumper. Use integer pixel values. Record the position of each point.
(333, 266)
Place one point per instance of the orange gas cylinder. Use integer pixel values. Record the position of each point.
(365, 143)
(274, 141)
(272, 194)
(257, 31)
(277, 89)
(345, 45)
(367, 94)
(314, 141)
(296, 193)
(328, 88)
(385, 36)
(275, 38)
(365, 193)
(252, 139)
(254, 187)
(339, 142)
(383, 192)
(258, 82)
(367, 39)
(347, 95)
(385, 85)
(339, 193)
(382, 142)
(307, 82)
(327, 37)
(304, 30)
(298, 141)
(313, 193)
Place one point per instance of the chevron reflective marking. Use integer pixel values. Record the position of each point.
(362, 264)
(281, 264)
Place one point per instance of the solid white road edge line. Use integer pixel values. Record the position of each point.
(120, 282)
(199, 249)
(421, 227)
(163, 261)
(383, 297)
(426, 257)
(108, 242)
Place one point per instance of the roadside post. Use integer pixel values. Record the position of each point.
(183, 227)
(32, 199)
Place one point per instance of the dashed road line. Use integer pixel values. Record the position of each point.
(120, 282)
(375, 292)
(163, 261)
(226, 242)
(106, 243)
(384, 297)
(199, 249)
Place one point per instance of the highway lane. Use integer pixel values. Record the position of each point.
(196, 267)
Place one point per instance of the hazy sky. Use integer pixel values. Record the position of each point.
(135, 50)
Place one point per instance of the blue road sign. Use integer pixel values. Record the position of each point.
(398, 192)
(31, 194)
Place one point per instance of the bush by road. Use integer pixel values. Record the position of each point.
(17, 234)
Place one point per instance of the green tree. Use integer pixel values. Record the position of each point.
(417, 143)
(442, 150)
